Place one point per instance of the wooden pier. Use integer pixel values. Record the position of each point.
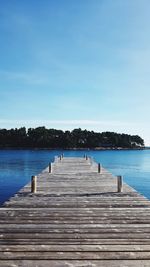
(76, 218)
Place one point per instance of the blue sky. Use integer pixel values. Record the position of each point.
(75, 63)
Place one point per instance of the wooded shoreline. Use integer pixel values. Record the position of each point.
(41, 137)
(74, 148)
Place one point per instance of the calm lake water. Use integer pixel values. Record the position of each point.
(17, 166)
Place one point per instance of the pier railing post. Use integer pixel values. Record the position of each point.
(50, 167)
(33, 184)
(99, 168)
(120, 183)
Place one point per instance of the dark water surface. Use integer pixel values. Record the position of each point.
(17, 166)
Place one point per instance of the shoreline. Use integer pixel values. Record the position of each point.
(82, 149)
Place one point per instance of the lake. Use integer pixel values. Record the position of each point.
(17, 166)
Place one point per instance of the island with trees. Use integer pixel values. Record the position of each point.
(42, 137)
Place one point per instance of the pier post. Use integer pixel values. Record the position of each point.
(50, 167)
(120, 183)
(86, 157)
(99, 168)
(33, 184)
(60, 157)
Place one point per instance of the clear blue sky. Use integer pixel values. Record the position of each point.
(76, 63)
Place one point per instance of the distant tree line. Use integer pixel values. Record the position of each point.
(41, 137)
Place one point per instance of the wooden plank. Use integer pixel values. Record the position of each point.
(133, 255)
(75, 263)
(77, 248)
(69, 241)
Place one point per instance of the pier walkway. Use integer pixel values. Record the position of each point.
(75, 219)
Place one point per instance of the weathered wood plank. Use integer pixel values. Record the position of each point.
(77, 248)
(75, 263)
(105, 255)
(69, 241)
